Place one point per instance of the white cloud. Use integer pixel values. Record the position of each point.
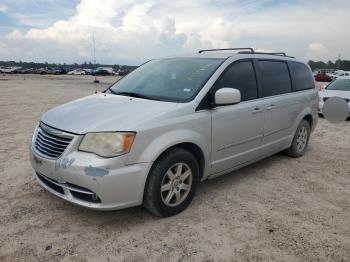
(15, 35)
(317, 50)
(3, 8)
(135, 30)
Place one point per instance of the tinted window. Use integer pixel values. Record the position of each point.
(173, 79)
(275, 78)
(241, 76)
(301, 76)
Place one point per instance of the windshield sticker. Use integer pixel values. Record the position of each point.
(199, 71)
(187, 90)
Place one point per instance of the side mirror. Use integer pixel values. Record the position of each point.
(227, 96)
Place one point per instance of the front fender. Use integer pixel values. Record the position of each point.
(166, 140)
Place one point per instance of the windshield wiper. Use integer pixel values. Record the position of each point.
(133, 94)
(112, 91)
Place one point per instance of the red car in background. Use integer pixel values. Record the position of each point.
(323, 77)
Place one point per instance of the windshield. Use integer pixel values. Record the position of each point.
(173, 79)
(339, 84)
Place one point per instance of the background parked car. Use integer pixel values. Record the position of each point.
(122, 72)
(339, 73)
(61, 71)
(88, 71)
(103, 71)
(17, 70)
(77, 72)
(340, 87)
(323, 77)
(47, 71)
(29, 71)
(8, 70)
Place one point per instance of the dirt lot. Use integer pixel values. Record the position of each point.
(279, 209)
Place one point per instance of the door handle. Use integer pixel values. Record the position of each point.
(270, 107)
(257, 110)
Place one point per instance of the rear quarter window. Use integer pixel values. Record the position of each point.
(275, 78)
(302, 77)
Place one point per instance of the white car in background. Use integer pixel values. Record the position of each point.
(77, 72)
(8, 69)
(339, 73)
(338, 88)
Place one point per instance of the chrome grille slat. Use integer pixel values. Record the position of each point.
(51, 143)
(44, 151)
(55, 138)
(44, 140)
(47, 148)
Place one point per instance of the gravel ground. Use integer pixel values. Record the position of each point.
(279, 209)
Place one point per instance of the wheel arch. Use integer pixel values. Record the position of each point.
(309, 119)
(194, 149)
(306, 114)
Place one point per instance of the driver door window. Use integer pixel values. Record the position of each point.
(241, 76)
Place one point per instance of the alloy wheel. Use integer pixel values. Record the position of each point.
(176, 184)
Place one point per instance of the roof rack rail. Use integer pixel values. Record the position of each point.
(268, 53)
(226, 49)
(274, 53)
(248, 50)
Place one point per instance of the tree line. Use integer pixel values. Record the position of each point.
(85, 65)
(338, 64)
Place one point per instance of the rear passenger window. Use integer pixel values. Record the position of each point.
(241, 76)
(275, 78)
(301, 76)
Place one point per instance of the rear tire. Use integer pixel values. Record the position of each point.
(171, 183)
(300, 141)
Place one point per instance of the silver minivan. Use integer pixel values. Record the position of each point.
(151, 137)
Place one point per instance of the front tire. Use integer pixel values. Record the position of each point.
(171, 183)
(300, 140)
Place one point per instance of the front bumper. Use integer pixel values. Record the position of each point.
(91, 181)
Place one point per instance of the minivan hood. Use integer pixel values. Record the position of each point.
(104, 112)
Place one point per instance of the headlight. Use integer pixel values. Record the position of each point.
(107, 144)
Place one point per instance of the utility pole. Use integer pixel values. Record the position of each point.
(94, 48)
(338, 61)
(94, 44)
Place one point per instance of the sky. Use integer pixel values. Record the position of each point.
(133, 31)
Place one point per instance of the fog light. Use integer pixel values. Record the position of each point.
(94, 197)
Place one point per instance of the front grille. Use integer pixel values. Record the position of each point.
(50, 143)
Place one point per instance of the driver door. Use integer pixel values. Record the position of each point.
(237, 130)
